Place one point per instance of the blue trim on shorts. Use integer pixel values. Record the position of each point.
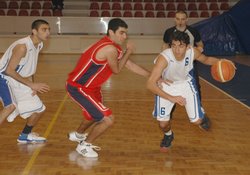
(194, 88)
(94, 112)
(5, 92)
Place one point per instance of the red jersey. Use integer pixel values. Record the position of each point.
(89, 72)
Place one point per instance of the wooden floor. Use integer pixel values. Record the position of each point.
(131, 146)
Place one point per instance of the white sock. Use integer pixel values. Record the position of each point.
(168, 133)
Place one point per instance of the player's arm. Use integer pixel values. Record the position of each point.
(111, 54)
(200, 46)
(203, 58)
(137, 69)
(155, 76)
(17, 54)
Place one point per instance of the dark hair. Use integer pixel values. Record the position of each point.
(36, 24)
(179, 36)
(115, 23)
(182, 12)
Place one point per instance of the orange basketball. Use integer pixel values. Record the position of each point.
(223, 71)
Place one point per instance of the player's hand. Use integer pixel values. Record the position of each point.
(130, 47)
(40, 87)
(179, 100)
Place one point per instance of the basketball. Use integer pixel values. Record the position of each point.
(223, 71)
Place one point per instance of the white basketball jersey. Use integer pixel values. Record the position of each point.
(28, 64)
(178, 70)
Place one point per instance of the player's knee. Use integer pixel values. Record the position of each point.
(198, 122)
(164, 125)
(109, 120)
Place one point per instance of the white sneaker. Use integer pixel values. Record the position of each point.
(30, 138)
(76, 137)
(86, 149)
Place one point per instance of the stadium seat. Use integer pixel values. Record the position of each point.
(171, 14)
(138, 6)
(181, 6)
(116, 6)
(24, 5)
(139, 14)
(47, 5)
(13, 5)
(57, 12)
(2, 12)
(105, 13)
(116, 13)
(204, 14)
(23, 12)
(94, 13)
(215, 13)
(127, 14)
(193, 14)
(127, 6)
(192, 6)
(159, 7)
(213, 6)
(3, 5)
(11, 12)
(224, 6)
(160, 14)
(170, 6)
(148, 6)
(46, 12)
(149, 14)
(36, 5)
(203, 6)
(94, 6)
(105, 6)
(34, 12)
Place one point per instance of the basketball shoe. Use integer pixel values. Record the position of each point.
(166, 142)
(30, 138)
(76, 137)
(205, 124)
(86, 149)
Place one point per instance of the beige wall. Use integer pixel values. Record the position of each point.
(77, 43)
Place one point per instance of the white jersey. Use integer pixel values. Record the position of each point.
(28, 64)
(178, 70)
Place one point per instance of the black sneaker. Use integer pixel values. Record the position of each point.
(166, 142)
(205, 124)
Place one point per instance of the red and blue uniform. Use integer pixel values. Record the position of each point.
(85, 81)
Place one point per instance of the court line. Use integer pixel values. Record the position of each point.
(235, 99)
(46, 134)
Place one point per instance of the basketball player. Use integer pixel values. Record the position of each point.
(17, 66)
(95, 66)
(175, 64)
(181, 20)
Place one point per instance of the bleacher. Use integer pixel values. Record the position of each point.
(116, 8)
(28, 8)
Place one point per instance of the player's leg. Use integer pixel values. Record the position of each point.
(30, 107)
(193, 106)
(162, 112)
(6, 97)
(27, 136)
(97, 115)
(195, 75)
(6, 111)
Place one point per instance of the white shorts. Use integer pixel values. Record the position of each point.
(187, 90)
(25, 103)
